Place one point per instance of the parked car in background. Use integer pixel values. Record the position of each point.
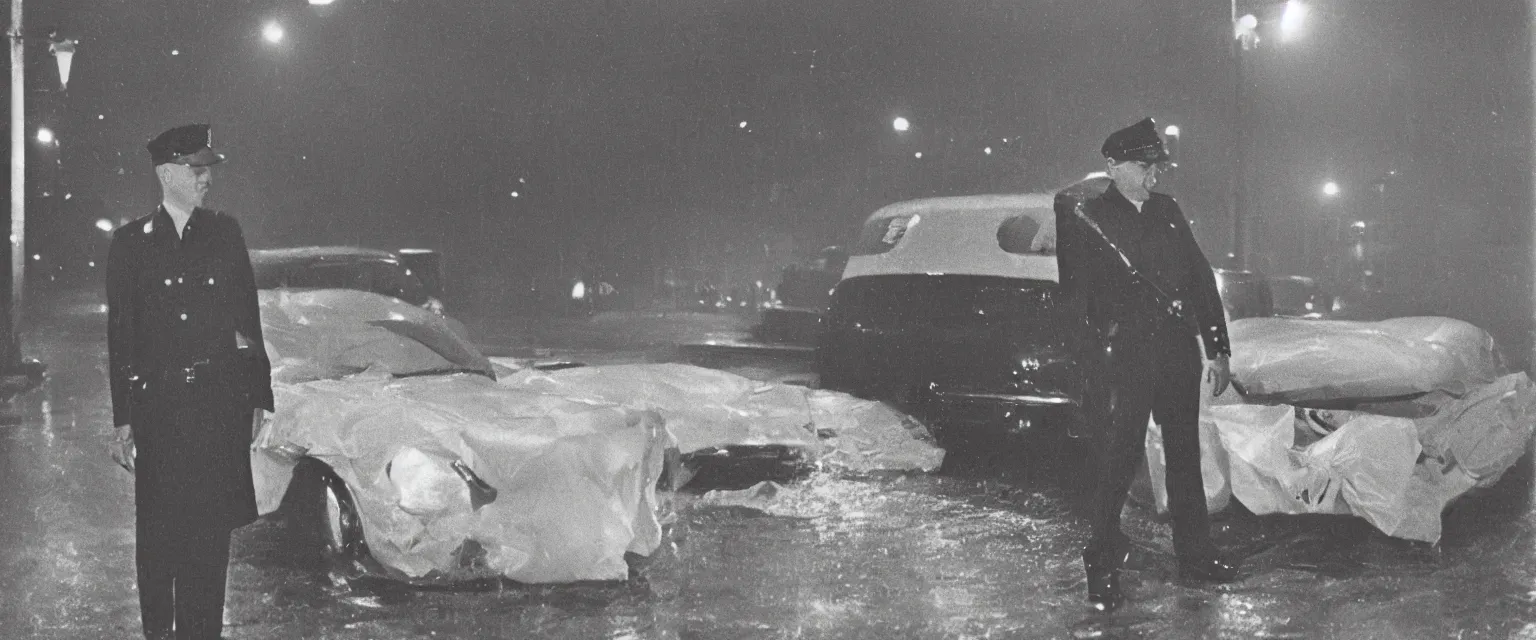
(1300, 297)
(413, 276)
(1245, 294)
(801, 298)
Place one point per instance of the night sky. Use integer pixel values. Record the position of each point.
(396, 123)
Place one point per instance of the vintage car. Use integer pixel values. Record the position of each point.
(423, 461)
(971, 340)
(965, 340)
(1300, 297)
(411, 275)
(801, 298)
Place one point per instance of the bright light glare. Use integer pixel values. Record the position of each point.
(579, 291)
(1247, 23)
(743, 125)
(1331, 188)
(901, 124)
(45, 135)
(987, 151)
(104, 224)
(1291, 20)
(1359, 224)
(1172, 131)
(320, 2)
(515, 194)
(272, 32)
(918, 155)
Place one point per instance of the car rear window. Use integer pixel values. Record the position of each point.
(1024, 234)
(882, 234)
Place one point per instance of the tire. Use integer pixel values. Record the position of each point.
(341, 525)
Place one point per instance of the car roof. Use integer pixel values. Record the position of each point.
(290, 255)
(961, 205)
(932, 243)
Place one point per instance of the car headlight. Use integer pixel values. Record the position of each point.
(426, 485)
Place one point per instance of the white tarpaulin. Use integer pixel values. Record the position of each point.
(1297, 360)
(330, 333)
(1470, 423)
(574, 480)
(706, 408)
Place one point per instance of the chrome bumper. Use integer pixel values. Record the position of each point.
(1039, 398)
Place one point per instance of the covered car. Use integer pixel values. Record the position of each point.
(439, 465)
(433, 472)
(1389, 421)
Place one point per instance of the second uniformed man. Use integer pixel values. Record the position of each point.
(1129, 259)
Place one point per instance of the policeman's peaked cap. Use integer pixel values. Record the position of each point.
(1136, 143)
(190, 144)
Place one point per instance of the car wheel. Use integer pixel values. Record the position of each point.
(341, 524)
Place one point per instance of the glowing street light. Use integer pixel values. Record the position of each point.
(272, 32)
(1292, 18)
(320, 2)
(1172, 131)
(104, 224)
(1330, 188)
(901, 124)
(987, 151)
(45, 135)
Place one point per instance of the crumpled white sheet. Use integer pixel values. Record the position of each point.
(1294, 360)
(331, 333)
(1368, 466)
(706, 408)
(575, 480)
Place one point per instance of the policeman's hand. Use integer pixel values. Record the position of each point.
(122, 448)
(1220, 375)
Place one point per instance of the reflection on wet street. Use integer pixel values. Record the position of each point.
(972, 553)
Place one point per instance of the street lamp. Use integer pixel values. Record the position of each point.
(1245, 32)
(272, 32)
(1291, 20)
(45, 135)
(901, 124)
(1330, 188)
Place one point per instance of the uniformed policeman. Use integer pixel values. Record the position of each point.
(1130, 262)
(190, 380)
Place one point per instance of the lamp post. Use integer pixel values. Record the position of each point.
(1246, 38)
(63, 51)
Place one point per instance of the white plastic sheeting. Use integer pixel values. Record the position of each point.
(706, 408)
(575, 480)
(330, 333)
(1463, 426)
(573, 455)
(1296, 360)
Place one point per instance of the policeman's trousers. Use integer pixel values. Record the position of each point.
(182, 581)
(1153, 373)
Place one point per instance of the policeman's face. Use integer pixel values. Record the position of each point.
(1134, 179)
(185, 185)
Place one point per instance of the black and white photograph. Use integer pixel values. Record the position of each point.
(769, 319)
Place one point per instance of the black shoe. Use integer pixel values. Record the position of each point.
(1210, 568)
(1103, 569)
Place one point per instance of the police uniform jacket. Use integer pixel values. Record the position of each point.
(1159, 244)
(174, 305)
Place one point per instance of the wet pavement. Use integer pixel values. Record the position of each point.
(982, 551)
